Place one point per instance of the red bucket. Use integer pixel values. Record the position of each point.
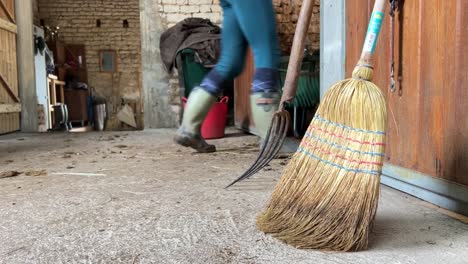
(215, 122)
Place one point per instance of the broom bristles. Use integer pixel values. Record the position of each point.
(327, 197)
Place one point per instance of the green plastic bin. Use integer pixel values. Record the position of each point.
(190, 72)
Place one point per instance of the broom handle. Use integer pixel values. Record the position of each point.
(372, 35)
(297, 53)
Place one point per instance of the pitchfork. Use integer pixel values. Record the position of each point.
(280, 121)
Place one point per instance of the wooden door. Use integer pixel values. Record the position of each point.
(427, 117)
(76, 53)
(10, 106)
(242, 86)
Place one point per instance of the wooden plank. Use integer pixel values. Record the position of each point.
(433, 110)
(8, 26)
(9, 122)
(242, 111)
(8, 68)
(10, 16)
(25, 55)
(49, 81)
(52, 77)
(60, 85)
(357, 18)
(10, 108)
(431, 97)
(53, 92)
(427, 114)
(446, 90)
(455, 162)
(10, 9)
(9, 89)
(404, 119)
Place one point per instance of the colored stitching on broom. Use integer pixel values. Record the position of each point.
(349, 139)
(347, 127)
(342, 157)
(342, 147)
(373, 172)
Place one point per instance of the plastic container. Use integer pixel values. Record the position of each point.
(215, 122)
(99, 110)
(99, 116)
(191, 71)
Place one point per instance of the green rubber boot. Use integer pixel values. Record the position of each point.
(198, 105)
(263, 106)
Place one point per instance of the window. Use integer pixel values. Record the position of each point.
(108, 61)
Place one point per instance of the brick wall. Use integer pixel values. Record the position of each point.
(287, 13)
(77, 22)
(173, 11)
(77, 19)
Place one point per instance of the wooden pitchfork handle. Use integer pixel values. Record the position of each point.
(297, 54)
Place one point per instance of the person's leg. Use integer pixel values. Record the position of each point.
(258, 24)
(202, 98)
(233, 51)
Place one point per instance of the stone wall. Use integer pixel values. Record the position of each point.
(77, 20)
(287, 13)
(174, 11)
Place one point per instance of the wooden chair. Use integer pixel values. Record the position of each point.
(56, 95)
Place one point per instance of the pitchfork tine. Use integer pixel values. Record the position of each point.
(272, 145)
(267, 138)
(268, 147)
(277, 143)
(273, 148)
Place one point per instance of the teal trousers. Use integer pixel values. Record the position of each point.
(247, 23)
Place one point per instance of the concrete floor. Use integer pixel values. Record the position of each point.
(137, 198)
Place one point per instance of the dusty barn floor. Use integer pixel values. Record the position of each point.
(137, 198)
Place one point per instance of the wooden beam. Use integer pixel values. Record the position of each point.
(8, 26)
(8, 89)
(10, 108)
(26, 73)
(53, 77)
(9, 15)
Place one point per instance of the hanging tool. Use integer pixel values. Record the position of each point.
(393, 8)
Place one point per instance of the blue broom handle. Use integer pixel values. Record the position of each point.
(373, 32)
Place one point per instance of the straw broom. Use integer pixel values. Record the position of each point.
(327, 197)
